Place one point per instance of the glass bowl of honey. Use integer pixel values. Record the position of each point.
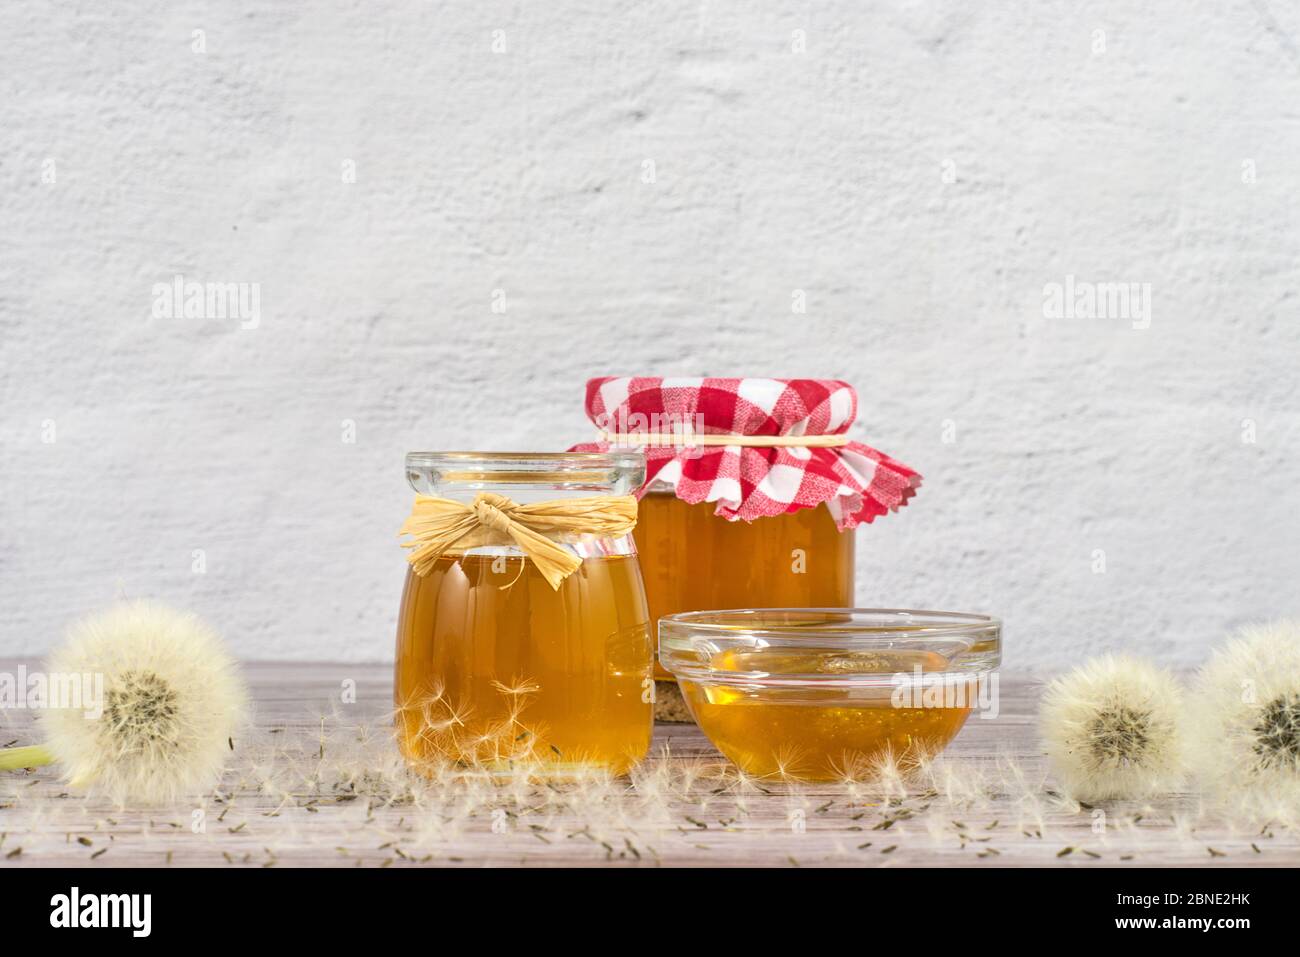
(827, 694)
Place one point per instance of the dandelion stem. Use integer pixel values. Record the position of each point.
(35, 756)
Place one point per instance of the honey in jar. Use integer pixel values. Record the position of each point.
(497, 669)
(693, 560)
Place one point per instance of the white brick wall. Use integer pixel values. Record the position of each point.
(919, 172)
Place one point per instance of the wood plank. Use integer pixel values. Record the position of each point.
(304, 790)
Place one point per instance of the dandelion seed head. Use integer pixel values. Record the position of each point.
(1277, 733)
(173, 703)
(1114, 728)
(1247, 722)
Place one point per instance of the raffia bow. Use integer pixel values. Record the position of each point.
(436, 524)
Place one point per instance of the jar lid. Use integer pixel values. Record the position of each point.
(748, 481)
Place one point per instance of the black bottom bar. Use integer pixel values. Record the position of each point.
(336, 906)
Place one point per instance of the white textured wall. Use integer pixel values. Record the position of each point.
(776, 170)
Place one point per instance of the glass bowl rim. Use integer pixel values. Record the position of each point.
(679, 651)
(939, 624)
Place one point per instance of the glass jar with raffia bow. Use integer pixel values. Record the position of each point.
(524, 636)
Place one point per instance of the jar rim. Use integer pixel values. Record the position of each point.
(595, 471)
(584, 460)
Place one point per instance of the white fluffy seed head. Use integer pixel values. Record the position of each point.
(1246, 726)
(172, 702)
(1114, 728)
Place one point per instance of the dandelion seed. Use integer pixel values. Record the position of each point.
(519, 688)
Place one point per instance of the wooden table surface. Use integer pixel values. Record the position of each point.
(317, 782)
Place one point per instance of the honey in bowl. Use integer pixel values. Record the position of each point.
(495, 667)
(821, 734)
(830, 694)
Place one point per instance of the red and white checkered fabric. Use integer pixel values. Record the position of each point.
(856, 482)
